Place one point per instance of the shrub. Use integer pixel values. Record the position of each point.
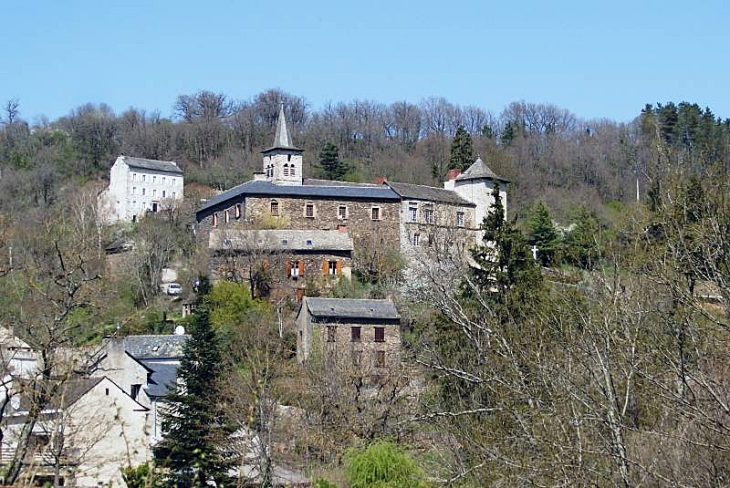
(382, 465)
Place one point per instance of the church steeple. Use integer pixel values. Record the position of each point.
(283, 160)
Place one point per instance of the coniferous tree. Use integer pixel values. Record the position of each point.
(196, 431)
(508, 134)
(329, 161)
(542, 234)
(462, 152)
(506, 267)
(581, 246)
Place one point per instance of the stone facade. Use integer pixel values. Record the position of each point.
(364, 334)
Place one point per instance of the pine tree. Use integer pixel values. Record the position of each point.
(508, 134)
(505, 262)
(462, 152)
(581, 246)
(542, 234)
(329, 161)
(194, 425)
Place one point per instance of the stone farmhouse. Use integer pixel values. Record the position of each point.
(377, 216)
(362, 332)
(137, 186)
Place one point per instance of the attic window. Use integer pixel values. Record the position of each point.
(309, 242)
(284, 242)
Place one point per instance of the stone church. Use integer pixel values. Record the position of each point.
(339, 224)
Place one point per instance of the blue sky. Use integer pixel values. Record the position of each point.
(597, 59)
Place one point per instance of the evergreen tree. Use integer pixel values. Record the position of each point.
(506, 270)
(329, 161)
(508, 134)
(542, 234)
(581, 247)
(194, 425)
(462, 152)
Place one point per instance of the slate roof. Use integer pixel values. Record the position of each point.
(265, 188)
(320, 182)
(152, 164)
(282, 138)
(69, 394)
(163, 378)
(351, 308)
(155, 346)
(479, 170)
(280, 240)
(430, 193)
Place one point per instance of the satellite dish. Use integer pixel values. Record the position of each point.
(179, 330)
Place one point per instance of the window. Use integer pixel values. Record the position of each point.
(227, 216)
(292, 170)
(173, 194)
(375, 213)
(331, 333)
(332, 268)
(416, 239)
(460, 219)
(309, 210)
(286, 170)
(428, 215)
(238, 211)
(379, 334)
(413, 212)
(355, 333)
(215, 220)
(135, 391)
(342, 212)
(154, 179)
(134, 190)
(274, 208)
(143, 191)
(295, 269)
(144, 177)
(164, 194)
(379, 359)
(163, 181)
(134, 176)
(154, 193)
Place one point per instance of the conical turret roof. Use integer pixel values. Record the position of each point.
(282, 138)
(479, 170)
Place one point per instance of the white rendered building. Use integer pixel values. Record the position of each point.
(137, 186)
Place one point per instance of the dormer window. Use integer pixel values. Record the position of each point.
(286, 170)
(292, 171)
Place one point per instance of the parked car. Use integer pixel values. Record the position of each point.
(174, 289)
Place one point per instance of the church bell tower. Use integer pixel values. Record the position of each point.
(283, 161)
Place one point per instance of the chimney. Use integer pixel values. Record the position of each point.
(300, 294)
(452, 174)
(379, 180)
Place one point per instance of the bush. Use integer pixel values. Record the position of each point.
(323, 483)
(382, 465)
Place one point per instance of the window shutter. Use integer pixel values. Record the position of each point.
(288, 268)
(339, 268)
(325, 267)
(301, 268)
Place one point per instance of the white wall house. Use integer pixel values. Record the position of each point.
(138, 185)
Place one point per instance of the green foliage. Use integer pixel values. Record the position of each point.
(582, 242)
(323, 483)
(231, 304)
(142, 476)
(462, 151)
(333, 168)
(542, 233)
(507, 272)
(382, 465)
(194, 422)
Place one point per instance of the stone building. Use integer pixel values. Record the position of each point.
(287, 257)
(381, 216)
(364, 333)
(137, 186)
